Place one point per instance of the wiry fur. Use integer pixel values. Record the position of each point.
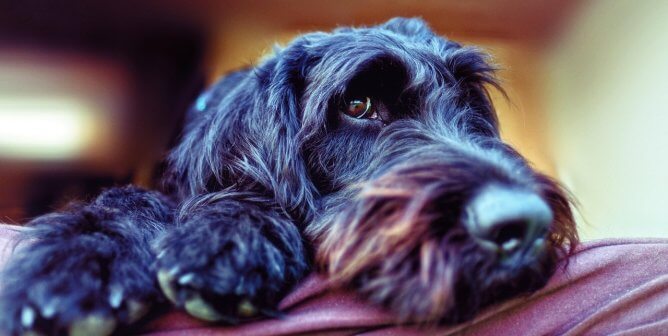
(270, 177)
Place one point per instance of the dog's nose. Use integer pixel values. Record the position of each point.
(504, 220)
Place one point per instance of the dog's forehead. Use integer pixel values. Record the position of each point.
(395, 32)
(337, 56)
(407, 40)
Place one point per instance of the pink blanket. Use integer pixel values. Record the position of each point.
(610, 287)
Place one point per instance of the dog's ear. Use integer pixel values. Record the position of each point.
(473, 74)
(410, 27)
(193, 164)
(241, 134)
(471, 69)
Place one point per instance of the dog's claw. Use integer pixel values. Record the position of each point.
(197, 307)
(246, 308)
(27, 317)
(186, 279)
(165, 281)
(93, 325)
(49, 310)
(136, 310)
(115, 297)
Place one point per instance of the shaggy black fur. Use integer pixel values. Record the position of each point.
(271, 177)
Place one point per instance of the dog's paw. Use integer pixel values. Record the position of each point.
(69, 295)
(229, 274)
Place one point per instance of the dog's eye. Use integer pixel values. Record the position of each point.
(360, 108)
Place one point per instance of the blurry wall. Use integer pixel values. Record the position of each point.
(90, 96)
(522, 114)
(607, 102)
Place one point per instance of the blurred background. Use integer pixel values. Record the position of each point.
(92, 94)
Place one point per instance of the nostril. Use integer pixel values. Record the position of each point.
(508, 231)
(503, 219)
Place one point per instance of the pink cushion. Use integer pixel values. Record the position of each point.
(610, 287)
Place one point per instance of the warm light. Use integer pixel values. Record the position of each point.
(52, 128)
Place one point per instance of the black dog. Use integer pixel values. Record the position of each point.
(371, 153)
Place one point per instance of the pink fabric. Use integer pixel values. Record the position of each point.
(609, 287)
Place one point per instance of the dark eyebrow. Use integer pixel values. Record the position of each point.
(383, 76)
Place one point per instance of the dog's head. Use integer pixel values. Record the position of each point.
(384, 144)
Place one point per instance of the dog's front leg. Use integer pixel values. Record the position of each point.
(231, 256)
(85, 270)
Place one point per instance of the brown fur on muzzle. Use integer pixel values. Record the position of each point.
(401, 242)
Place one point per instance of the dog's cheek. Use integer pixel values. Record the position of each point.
(385, 248)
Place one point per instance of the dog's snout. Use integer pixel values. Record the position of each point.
(504, 220)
